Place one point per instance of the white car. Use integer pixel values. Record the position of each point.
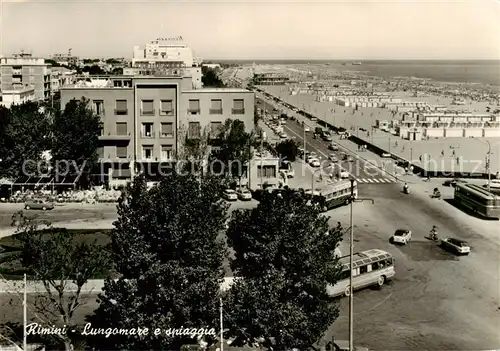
(494, 184)
(401, 236)
(230, 195)
(307, 129)
(333, 158)
(244, 194)
(315, 162)
(344, 174)
(283, 136)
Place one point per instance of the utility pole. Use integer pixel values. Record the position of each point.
(25, 314)
(304, 127)
(221, 327)
(488, 162)
(262, 159)
(351, 260)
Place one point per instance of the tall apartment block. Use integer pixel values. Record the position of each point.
(163, 54)
(23, 70)
(146, 119)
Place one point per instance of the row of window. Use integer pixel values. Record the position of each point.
(266, 171)
(166, 129)
(367, 268)
(166, 107)
(167, 152)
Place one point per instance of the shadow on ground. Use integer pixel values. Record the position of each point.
(426, 251)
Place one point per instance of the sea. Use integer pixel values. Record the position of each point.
(485, 72)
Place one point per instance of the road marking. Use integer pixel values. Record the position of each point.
(376, 180)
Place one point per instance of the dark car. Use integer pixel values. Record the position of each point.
(458, 246)
(453, 182)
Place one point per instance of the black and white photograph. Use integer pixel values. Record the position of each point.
(250, 175)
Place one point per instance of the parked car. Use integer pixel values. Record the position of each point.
(38, 205)
(333, 158)
(307, 129)
(244, 194)
(350, 159)
(230, 195)
(344, 174)
(333, 147)
(458, 246)
(283, 136)
(401, 236)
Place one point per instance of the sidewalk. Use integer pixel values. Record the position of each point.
(85, 224)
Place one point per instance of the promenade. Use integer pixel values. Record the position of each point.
(443, 155)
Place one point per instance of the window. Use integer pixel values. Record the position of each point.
(194, 107)
(269, 171)
(121, 151)
(167, 107)
(166, 152)
(98, 107)
(147, 130)
(375, 266)
(216, 107)
(147, 108)
(194, 131)
(101, 129)
(121, 128)
(121, 107)
(167, 130)
(345, 275)
(238, 107)
(100, 152)
(215, 129)
(363, 269)
(147, 152)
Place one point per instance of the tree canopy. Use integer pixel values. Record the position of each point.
(93, 70)
(284, 259)
(288, 150)
(210, 78)
(75, 136)
(24, 135)
(235, 148)
(166, 246)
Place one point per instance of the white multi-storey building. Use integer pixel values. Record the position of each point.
(163, 53)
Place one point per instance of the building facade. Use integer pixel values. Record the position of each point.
(146, 119)
(272, 78)
(17, 96)
(24, 70)
(165, 53)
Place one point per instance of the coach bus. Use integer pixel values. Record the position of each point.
(334, 195)
(370, 268)
(478, 200)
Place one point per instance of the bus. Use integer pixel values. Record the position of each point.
(370, 268)
(334, 195)
(478, 200)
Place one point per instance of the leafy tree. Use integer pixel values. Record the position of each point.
(93, 70)
(75, 137)
(52, 63)
(284, 257)
(288, 149)
(118, 71)
(210, 78)
(24, 131)
(166, 247)
(63, 265)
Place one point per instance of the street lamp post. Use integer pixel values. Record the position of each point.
(314, 173)
(351, 260)
(488, 161)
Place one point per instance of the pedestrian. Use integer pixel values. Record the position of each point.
(442, 152)
(497, 175)
(420, 158)
(458, 160)
(396, 144)
(453, 154)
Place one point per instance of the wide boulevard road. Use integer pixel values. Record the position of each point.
(437, 301)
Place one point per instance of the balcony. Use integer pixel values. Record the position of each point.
(165, 112)
(215, 111)
(193, 111)
(148, 135)
(17, 72)
(110, 136)
(121, 112)
(238, 111)
(147, 112)
(164, 135)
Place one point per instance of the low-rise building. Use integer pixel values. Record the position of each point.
(146, 119)
(272, 78)
(264, 171)
(17, 95)
(22, 69)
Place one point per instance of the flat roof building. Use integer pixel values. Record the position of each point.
(16, 95)
(146, 119)
(23, 69)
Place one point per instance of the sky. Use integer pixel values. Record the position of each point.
(253, 29)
